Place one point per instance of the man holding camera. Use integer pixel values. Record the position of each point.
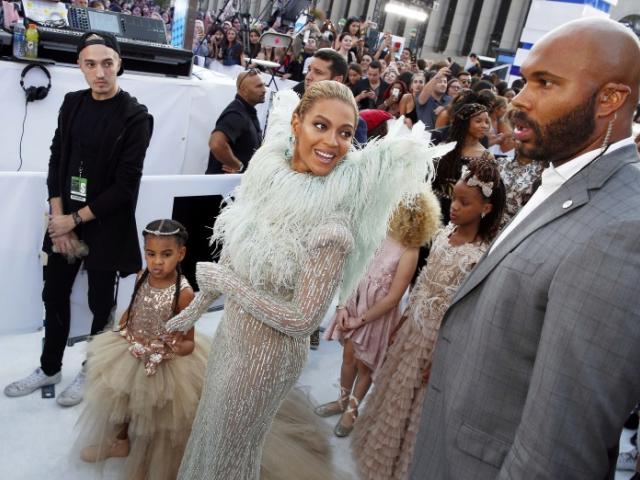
(369, 92)
(433, 98)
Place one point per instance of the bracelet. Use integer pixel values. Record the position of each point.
(340, 307)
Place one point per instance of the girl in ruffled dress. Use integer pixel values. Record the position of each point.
(143, 382)
(363, 325)
(384, 435)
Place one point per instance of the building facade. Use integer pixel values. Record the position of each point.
(453, 28)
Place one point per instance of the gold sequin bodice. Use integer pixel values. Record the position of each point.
(150, 311)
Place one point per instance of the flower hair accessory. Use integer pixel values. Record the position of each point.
(486, 187)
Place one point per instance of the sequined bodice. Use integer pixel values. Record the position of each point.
(151, 309)
(446, 268)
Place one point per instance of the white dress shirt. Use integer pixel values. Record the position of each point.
(551, 180)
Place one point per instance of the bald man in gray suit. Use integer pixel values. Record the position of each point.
(537, 363)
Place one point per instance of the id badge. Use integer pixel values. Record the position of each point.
(79, 189)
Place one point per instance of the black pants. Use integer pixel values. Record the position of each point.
(58, 280)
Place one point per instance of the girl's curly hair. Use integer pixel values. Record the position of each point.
(416, 220)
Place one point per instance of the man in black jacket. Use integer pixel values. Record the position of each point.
(369, 92)
(97, 154)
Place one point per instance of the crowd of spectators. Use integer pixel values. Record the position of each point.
(388, 77)
(383, 74)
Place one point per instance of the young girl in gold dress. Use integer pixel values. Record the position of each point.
(144, 383)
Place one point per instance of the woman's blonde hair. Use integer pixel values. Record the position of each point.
(415, 220)
(327, 90)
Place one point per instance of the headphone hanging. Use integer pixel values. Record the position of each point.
(35, 93)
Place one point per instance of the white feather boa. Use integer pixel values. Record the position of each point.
(275, 209)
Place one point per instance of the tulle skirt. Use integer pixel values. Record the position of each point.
(161, 408)
(384, 436)
(158, 409)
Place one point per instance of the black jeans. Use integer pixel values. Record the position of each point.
(58, 280)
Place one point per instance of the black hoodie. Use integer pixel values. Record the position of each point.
(114, 181)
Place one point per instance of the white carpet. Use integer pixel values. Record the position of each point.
(37, 433)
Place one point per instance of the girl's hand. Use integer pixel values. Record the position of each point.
(394, 333)
(425, 376)
(183, 347)
(351, 323)
(171, 339)
(178, 343)
(341, 319)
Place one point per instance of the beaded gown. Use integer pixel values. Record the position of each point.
(385, 432)
(289, 240)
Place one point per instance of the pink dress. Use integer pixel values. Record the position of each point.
(370, 341)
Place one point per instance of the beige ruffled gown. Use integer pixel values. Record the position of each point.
(385, 432)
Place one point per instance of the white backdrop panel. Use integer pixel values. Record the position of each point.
(184, 112)
(22, 219)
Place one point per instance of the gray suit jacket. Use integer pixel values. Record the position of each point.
(536, 366)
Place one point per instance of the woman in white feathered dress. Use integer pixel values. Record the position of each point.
(308, 215)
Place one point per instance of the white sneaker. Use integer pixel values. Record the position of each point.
(73, 394)
(30, 384)
(627, 460)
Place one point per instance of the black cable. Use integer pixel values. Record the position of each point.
(26, 104)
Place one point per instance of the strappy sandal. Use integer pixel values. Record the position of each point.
(333, 408)
(341, 430)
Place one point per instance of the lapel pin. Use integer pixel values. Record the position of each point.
(567, 204)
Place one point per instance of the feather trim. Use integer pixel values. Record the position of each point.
(275, 209)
